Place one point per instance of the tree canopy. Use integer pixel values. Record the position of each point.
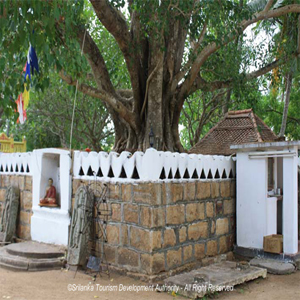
(144, 60)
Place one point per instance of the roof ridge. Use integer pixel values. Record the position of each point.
(267, 127)
(237, 112)
(259, 138)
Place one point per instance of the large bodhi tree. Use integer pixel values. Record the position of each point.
(167, 46)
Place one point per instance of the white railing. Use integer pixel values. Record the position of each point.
(152, 165)
(15, 163)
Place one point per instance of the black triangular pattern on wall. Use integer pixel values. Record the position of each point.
(162, 174)
(90, 171)
(27, 169)
(170, 174)
(22, 169)
(123, 173)
(110, 173)
(99, 173)
(224, 175)
(186, 174)
(81, 173)
(203, 176)
(16, 168)
(209, 176)
(135, 174)
(230, 174)
(177, 174)
(195, 174)
(217, 174)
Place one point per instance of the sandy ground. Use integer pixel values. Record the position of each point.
(54, 285)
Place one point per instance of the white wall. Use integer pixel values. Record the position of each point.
(256, 213)
(290, 204)
(251, 201)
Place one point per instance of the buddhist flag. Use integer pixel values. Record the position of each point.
(23, 99)
(25, 96)
(31, 64)
(21, 110)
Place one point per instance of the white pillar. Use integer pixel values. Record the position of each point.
(290, 204)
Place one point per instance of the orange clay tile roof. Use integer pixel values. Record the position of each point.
(237, 127)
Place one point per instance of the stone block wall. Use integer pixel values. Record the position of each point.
(166, 227)
(24, 183)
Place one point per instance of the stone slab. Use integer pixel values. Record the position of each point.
(216, 277)
(35, 250)
(273, 266)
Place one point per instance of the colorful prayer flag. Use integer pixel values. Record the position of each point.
(23, 98)
(21, 110)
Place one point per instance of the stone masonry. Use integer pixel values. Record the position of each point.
(24, 183)
(161, 228)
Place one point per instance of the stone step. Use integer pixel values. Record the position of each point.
(12, 268)
(27, 259)
(35, 250)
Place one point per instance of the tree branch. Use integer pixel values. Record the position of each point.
(268, 5)
(180, 75)
(116, 105)
(200, 83)
(280, 113)
(125, 93)
(115, 23)
(213, 47)
(96, 61)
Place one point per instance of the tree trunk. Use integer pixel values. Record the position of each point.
(286, 103)
(227, 101)
(155, 102)
(158, 117)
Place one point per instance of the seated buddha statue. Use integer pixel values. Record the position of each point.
(50, 197)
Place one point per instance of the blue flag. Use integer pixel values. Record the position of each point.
(32, 63)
